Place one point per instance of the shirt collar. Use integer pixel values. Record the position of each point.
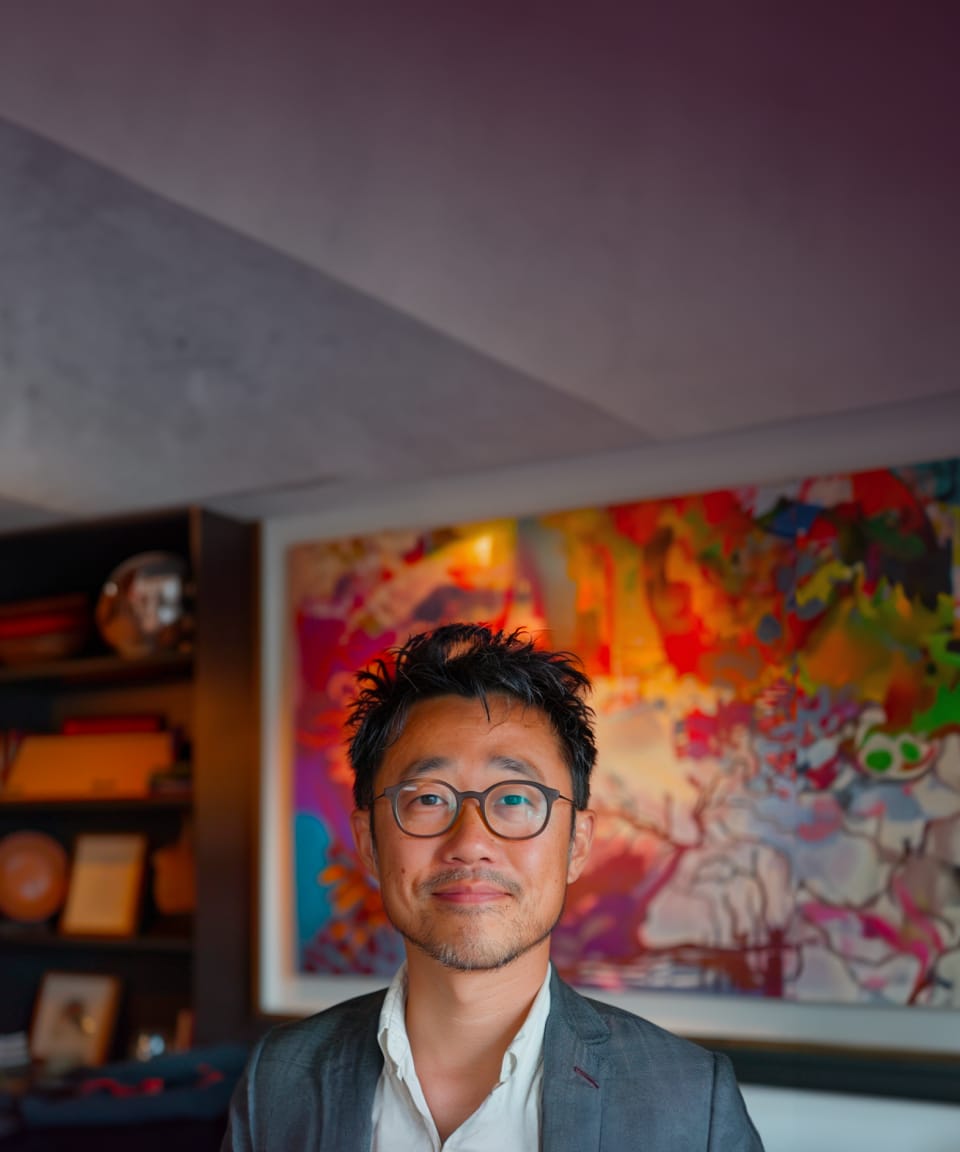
(392, 1032)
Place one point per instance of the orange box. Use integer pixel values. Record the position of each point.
(102, 765)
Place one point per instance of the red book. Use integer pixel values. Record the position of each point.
(98, 725)
(39, 625)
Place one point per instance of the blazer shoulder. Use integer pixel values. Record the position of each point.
(619, 1030)
(627, 1027)
(677, 1094)
(303, 1042)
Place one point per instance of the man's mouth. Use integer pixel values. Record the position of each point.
(472, 889)
(470, 894)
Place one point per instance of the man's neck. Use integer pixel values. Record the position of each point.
(460, 1024)
(451, 1009)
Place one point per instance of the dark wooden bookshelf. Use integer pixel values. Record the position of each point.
(207, 693)
(104, 670)
(36, 938)
(159, 802)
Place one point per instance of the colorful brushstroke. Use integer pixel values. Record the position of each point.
(777, 677)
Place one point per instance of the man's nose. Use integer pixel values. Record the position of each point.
(469, 838)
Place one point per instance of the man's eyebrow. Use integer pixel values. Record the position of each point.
(512, 764)
(426, 765)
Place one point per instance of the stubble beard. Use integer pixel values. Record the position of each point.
(473, 954)
(459, 941)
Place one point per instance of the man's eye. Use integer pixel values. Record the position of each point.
(513, 800)
(430, 800)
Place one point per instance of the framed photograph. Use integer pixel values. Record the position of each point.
(777, 687)
(106, 885)
(74, 1018)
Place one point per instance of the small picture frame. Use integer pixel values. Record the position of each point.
(106, 885)
(74, 1018)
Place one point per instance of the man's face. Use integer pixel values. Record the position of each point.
(468, 898)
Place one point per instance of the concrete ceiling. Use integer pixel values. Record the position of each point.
(258, 248)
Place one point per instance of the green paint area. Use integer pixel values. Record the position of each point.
(879, 761)
(910, 751)
(886, 532)
(940, 647)
(945, 712)
(905, 621)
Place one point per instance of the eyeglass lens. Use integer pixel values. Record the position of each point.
(513, 809)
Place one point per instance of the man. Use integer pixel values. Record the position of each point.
(472, 755)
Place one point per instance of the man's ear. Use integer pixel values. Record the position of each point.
(584, 823)
(361, 823)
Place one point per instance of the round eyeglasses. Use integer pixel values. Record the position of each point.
(512, 809)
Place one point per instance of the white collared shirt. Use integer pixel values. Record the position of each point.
(508, 1118)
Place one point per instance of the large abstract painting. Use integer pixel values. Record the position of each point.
(777, 691)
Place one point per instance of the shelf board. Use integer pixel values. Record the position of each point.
(175, 801)
(26, 938)
(91, 670)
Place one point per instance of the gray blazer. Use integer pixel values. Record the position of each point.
(612, 1082)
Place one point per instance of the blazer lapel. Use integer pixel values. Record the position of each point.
(573, 1044)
